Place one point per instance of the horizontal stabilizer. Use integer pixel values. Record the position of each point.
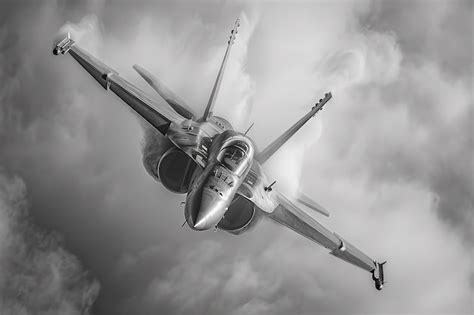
(172, 99)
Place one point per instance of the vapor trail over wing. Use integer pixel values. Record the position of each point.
(263, 156)
(157, 112)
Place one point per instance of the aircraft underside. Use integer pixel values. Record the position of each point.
(176, 171)
(217, 167)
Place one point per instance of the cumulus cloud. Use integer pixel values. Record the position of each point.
(38, 275)
(366, 57)
(390, 156)
(348, 57)
(284, 274)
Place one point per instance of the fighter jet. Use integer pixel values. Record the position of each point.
(218, 168)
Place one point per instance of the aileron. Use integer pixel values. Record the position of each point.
(157, 113)
(302, 223)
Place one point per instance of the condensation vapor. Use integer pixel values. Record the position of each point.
(235, 97)
(38, 275)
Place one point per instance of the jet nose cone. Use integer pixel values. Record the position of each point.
(201, 224)
(204, 209)
(210, 211)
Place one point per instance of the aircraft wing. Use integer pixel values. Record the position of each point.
(289, 215)
(156, 111)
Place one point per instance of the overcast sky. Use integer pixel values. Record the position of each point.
(84, 228)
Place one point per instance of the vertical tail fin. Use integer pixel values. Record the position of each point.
(215, 89)
(277, 143)
(172, 99)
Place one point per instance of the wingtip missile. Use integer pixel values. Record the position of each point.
(379, 280)
(64, 45)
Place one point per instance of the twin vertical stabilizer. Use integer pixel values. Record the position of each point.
(172, 99)
(178, 104)
(215, 89)
(277, 143)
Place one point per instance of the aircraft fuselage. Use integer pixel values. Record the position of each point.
(212, 191)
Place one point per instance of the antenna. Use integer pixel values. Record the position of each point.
(248, 129)
(269, 188)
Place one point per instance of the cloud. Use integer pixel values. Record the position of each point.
(86, 31)
(347, 58)
(279, 273)
(366, 57)
(38, 275)
(431, 34)
(238, 88)
(389, 156)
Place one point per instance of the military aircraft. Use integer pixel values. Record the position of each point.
(217, 167)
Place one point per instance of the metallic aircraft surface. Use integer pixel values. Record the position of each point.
(218, 168)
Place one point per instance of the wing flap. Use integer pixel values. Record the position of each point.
(305, 227)
(160, 118)
(156, 112)
(287, 214)
(348, 252)
(172, 99)
(95, 67)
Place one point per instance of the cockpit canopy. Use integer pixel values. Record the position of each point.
(236, 156)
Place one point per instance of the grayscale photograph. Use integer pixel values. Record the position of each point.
(236, 157)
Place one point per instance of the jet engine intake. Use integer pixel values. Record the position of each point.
(239, 216)
(175, 170)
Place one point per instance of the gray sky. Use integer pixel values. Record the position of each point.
(84, 227)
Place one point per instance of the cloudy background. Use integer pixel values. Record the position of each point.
(84, 228)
